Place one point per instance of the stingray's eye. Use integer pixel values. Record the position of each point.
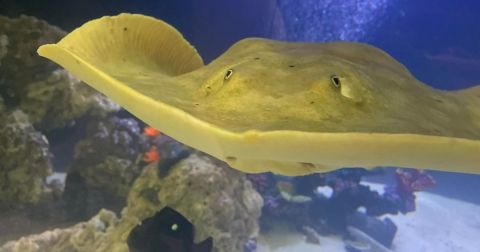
(335, 81)
(174, 227)
(228, 74)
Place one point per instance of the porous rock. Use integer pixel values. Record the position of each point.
(106, 163)
(50, 96)
(24, 160)
(218, 200)
(85, 236)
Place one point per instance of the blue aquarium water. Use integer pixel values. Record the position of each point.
(80, 173)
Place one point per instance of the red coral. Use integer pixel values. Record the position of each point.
(152, 155)
(151, 132)
(410, 181)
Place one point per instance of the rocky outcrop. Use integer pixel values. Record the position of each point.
(47, 94)
(85, 236)
(219, 201)
(24, 160)
(106, 163)
(35, 96)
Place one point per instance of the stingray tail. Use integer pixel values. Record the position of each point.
(123, 41)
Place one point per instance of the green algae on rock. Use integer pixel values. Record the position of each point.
(104, 167)
(51, 97)
(24, 160)
(83, 237)
(220, 202)
(59, 99)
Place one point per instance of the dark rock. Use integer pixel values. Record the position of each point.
(106, 162)
(382, 231)
(24, 160)
(48, 95)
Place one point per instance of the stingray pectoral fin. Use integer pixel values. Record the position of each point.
(134, 59)
(128, 57)
(297, 153)
(113, 44)
(471, 98)
(288, 168)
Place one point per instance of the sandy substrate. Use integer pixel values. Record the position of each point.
(440, 224)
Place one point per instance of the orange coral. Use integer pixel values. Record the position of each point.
(151, 131)
(152, 155)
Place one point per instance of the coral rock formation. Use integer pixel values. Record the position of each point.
(24, 159)
(110, 151)
(60, 98)
(44, 97)
(219, 201)
(49, 96)
(106, 162)
(85, 236)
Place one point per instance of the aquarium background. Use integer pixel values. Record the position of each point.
(438, 41)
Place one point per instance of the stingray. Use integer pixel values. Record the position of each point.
(287, 107)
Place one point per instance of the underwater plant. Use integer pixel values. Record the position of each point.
(402, 194)
(337, 197)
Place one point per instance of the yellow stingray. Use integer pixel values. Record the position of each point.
(265, 105)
